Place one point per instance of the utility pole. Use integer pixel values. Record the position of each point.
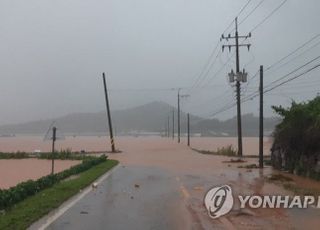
(185, 95)
(54, 134)
(188, 121)
(178, 115)
(238, 77)
(113, 149)
(261, 119)
(173, 124)
(168, 126)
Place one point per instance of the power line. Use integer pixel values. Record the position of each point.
(254, 28)
(294, 51)
(286, 56)
(269, 15)
(295, 70)
(201, 76)
(255, 94)
(214, 50)
(251, 12)
(241, 10)
(221, 68)
(293, 78)
(145, 89)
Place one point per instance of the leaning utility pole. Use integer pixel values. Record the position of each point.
(113, 149)
(54, 138)
(238, 77)
(172, 124)
(188, 121)
(261, 119)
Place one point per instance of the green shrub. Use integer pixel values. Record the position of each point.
(64, 155)
(17, 155)
(298, 136)
(227, 151)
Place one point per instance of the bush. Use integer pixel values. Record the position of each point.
(227, 151)
(17, 155)
(64, 155)
(13, 195)
(224, 151)
(296, 138)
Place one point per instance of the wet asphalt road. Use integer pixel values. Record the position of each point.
(161, 185)
(131, 197)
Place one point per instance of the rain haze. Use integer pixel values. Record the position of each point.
(53, 54)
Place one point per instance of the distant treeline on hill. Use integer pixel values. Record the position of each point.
(149, 118)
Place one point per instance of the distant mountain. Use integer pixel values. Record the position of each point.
(250, 126)
(151, 117)
(148, 118)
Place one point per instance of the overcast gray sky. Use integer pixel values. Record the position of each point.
(52, 54)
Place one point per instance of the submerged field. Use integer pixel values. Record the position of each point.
(14, 171)
(96, 143)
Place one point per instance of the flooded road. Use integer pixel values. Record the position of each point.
(131, 198)
(161, 184)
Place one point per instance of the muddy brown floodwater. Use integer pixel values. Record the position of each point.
(196, 173)
(101, 143)
(14, 171)
(172, 173)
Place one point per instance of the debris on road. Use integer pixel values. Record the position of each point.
(198, 188)
(94, 185)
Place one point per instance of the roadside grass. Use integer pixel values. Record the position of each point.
(33, 208)
(290, 185)
(249, 166)
(298, 190)
(279, 177)
(224, 151)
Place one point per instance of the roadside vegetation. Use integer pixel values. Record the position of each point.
(289, 184)
(17, 155)
(224, 151)
(296, 145)
(64, 154)
(13, 195)
(26, 202)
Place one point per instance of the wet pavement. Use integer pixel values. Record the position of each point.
(161, 185)
(131, 198)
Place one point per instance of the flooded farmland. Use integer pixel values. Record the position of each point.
(102, 143)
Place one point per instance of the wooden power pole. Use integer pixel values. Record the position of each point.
(54, 134)
(178, 115)
(113, 149)
(238, 77)
(188, 121)
(172, 124)
(261, 119)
